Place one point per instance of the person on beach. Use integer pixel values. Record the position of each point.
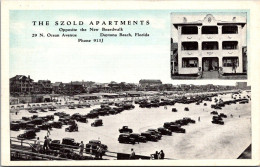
(99, 152)
(156, 154)
(45, 144)
(81, 148)
(132, 155)
(48, 132)
(161, 154)
(38, 145)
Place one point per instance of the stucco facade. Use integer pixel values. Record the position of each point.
(210, 45)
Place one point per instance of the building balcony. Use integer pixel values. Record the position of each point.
(210, 37)
(231, 52)
(189, 53)
(210, 53)
(190, 37)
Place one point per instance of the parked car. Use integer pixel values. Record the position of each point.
(186, 109)
(125, 129)
(57, 124)
(155, 133)
(149, 136)
(189, 120)
(70, 142)
(164, 131)
(91, 147)
(14, 126)
(45, 126)
(177, 129)
(29, 134)
(72, 128)
(125, 138)
(214, 113)
(174, 110)
(97, 122)
(55, 145)
(217, 120)
(138, 138)
(222, 115)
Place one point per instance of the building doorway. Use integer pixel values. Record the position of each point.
(210, 64)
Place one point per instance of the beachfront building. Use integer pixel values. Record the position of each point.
(45, 86)
(21, 84)
(58, 87)
(209, 45)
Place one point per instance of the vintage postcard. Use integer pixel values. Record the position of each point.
(129, 83)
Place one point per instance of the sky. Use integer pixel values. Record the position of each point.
(120, 59)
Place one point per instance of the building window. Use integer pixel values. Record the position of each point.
(229, 45)
(209, 45)
(229, 30)
(230, 62)
(189, 62)
(209, 30)
(189, 30)
(189, 46)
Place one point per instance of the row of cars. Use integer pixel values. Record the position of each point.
(144, 103)
(127, 135)
(222, 103)
(69, 144)
(217, 118)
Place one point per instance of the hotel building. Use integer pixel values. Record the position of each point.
(210, 45)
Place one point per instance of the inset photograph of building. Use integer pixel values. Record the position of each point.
(209, 45)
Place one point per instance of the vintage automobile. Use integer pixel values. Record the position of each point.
(182, 122)
(164, 131)
(197, 103)
(125, 129)
(82, 119)
(55, 145)
(26, 118)
(125, 138)
(186, 109)
(72, 128)
(56, 124)
(168, 124)
(174, 110)
(32, 111)
(138, 138)
(91, 147)
(177, 129)
(222, 115)
(14, 126)
(155, 132)
(29, 134)
(69, 142)
(72, 107)
(189, 120)
(214, 113)
(45, 126)
(97, 122)
(149, 136)
(49, 117)
(217, 120)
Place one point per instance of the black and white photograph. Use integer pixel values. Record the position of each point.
(89, 85)
(207, 45)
